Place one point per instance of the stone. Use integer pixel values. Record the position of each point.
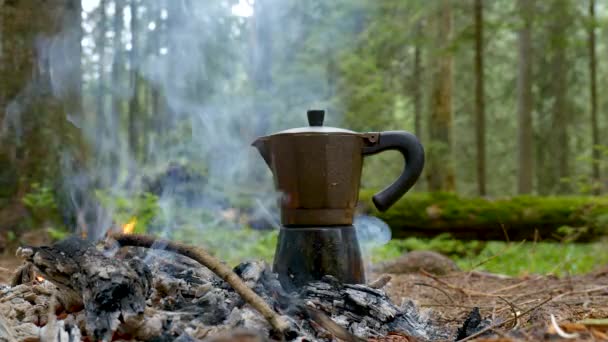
(414, 261)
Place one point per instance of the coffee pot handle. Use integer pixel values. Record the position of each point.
(413, 154)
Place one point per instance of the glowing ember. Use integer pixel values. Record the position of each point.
(40, 279)
(129, 227)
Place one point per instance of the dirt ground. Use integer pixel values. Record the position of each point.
(7, 265)
(578, 303)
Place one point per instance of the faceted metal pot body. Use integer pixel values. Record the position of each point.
(318, 177)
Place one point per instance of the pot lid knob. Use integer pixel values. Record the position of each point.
(315, 117)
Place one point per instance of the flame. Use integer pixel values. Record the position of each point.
(129, 228)
(40, 279)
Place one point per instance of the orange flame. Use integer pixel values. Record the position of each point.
(129, 228)
(40, 279)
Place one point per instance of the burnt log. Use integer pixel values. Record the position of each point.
(112, 291)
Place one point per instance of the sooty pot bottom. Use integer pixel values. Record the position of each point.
(306, 254)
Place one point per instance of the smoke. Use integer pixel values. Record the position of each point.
(225, 73)
(220, 74)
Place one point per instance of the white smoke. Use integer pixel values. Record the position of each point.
(227, 72)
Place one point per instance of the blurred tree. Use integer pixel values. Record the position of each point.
(416, 87)
(135, 82)
(480, 123)
(33, 102)
(595, 133)
(440, 172)
(560, 110)
(524, 100)
(117, 61)
(101, 121)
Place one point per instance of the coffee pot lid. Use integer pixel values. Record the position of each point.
(315, 125)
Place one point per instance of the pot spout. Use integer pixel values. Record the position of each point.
(262, 145)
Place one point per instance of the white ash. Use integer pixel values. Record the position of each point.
(190, 303)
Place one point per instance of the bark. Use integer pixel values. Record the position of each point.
(262, 64)
(111, 290)
(480, 125)
(559, 119)
(29, 111)
(101, 121)
(440, 168)
(595, 133)
(72, 53)
(525, 158)
(417, 82)
(134, 104)
(117, 61)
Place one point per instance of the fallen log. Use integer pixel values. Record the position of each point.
(518, 217)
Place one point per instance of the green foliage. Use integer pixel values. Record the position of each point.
(40, 197)
(57, 234)
(142, 207)
(583, 183)
(231, 245)
(41, 205)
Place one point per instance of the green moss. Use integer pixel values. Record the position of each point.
(434, 210)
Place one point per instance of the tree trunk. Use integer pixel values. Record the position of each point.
(559, 120)
(417, 83)
(480, 124)
(261, 64)
(101, 120)
(525, 158)
(440, 167)
(117, 62)
(134, 109)
(595, 133)
(30, 114)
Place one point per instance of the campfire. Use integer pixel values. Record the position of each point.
(129, 227)
(141, 288)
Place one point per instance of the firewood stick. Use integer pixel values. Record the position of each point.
(277, 321)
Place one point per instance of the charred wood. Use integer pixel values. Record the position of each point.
(111, 290)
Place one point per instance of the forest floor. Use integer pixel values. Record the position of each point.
(524, 304)
(578, 303)
(8, 264)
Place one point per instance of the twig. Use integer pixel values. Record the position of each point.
(497, 325)
(510, 287)
(438, 289)
(277, 321)
(514, 310)
(455, 306)
(594, 289)
(460, 289)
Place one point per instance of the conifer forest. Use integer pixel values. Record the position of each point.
(154, 122)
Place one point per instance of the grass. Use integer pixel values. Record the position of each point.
(514, 258)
